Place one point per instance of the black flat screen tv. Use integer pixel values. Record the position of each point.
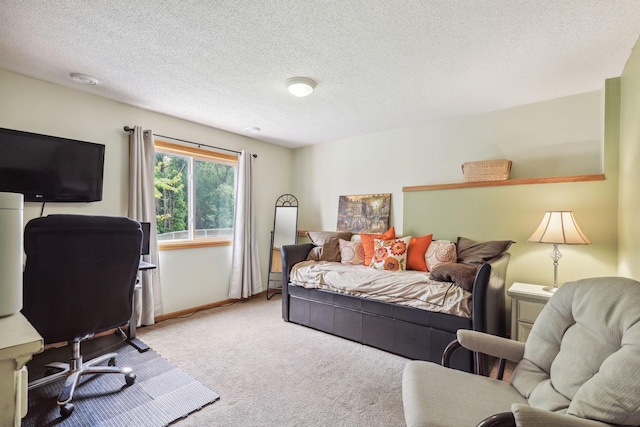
(50, 169)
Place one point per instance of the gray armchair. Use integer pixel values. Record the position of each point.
(580, 366)
(78, 281)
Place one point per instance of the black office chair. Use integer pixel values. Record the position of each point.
(78, 281)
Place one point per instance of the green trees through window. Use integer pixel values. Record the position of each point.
(171, 190)
(194, 195)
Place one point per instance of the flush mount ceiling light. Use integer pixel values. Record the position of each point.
(300, 86)
(84, 79)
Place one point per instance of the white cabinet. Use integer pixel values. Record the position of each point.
(527, 301)
(19, 341)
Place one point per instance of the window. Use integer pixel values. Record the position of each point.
(194, 191)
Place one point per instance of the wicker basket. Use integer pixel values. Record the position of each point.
(486, 170)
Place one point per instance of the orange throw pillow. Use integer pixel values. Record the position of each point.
(417, 249)
(367, 242)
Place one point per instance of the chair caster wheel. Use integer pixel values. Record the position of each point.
(66, 410)
(130, 379)
(112, 362)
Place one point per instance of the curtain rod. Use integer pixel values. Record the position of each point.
(130, 129)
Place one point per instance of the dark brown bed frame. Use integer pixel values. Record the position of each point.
(406, 331)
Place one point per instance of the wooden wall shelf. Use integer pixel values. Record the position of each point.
(523, 181)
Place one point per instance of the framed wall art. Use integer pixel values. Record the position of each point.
(365, 213)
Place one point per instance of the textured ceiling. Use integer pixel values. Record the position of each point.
(379, 64)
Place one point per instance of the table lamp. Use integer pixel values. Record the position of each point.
(558, 228)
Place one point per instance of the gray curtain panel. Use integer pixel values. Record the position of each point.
(142, 160)
(245, 265)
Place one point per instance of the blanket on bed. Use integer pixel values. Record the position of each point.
(409, 287)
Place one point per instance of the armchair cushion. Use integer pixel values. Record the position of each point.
(454, 398)
(525, 415)
(583, 358)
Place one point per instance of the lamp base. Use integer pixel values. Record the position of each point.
(551, 289)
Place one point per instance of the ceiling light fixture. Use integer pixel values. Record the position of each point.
(300, 86)
(84, 79)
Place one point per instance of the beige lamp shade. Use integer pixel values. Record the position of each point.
(559, 227)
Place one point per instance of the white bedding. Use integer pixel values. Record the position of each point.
(411, 288)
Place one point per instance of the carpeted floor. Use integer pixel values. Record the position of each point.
(161, 394)
(273, 373)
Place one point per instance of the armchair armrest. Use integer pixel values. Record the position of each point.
(527, 416)
(491, 345)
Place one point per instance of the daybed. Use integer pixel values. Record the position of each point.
(411, 332)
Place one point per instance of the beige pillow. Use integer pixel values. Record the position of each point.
(327, 246)
(440, 251)
(351, 252)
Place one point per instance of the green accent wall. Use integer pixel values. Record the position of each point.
(514, 212)
(629, 198)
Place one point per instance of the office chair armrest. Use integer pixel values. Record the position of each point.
(527, 416)
(491, 345)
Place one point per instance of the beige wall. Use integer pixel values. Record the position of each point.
(190, 277)
(629, 198)
(553, 138)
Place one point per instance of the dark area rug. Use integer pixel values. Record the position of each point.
(161, 394)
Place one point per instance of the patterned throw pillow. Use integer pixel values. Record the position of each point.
(440, 251)
(390, 254)
(351, 252)
(367, 242)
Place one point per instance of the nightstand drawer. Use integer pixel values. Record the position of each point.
(523, 331)
(528, 311)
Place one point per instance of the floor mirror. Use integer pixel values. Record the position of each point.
(284, 232)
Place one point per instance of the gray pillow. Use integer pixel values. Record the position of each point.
(462, 275)
(475, 253)
(327, 245)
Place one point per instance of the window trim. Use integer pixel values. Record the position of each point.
(195, 153)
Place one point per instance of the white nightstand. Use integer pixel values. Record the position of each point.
(527, 301)
(18, 342)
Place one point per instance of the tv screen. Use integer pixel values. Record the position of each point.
(50, 169)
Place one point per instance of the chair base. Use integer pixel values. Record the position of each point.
(73, 370)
